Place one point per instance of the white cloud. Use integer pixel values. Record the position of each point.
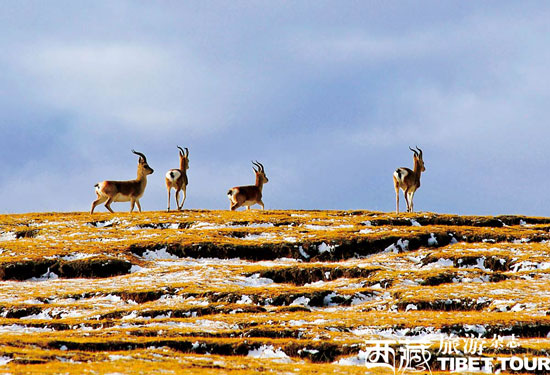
(138, 87)
(339, 92)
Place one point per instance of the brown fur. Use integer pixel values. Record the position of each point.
(179, 184)
(124, 191)
(410, 182)
(248, 195)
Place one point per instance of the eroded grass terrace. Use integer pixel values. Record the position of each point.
(285, 291)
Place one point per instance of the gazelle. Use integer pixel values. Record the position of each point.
(249, 195)
(124, 191)
(408, 181)
(177, 178)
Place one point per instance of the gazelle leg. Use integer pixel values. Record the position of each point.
(397, 202)
(178, 199)
(108, 205)
(396, 186)
(168, 209)
(261, 203)
(97, 202)
(139, 205)
(406, 195)
(411, 201)
(183, 199)
(132, 204)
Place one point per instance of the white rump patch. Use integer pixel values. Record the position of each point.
(401, 175)
(173, 175)
(99, 187)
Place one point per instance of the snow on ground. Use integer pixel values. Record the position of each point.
(18, 328)
(261, 236)
(245, 300)
(158, 254)
(323, 248)
(207, 225)
(103, 224)
(76, 256)
(253, 281)
(158, 269)
(267, 351)
(529, 266)
(415, 223)
(327, 227)
(300, 301)
(5, 360)
(7, 236)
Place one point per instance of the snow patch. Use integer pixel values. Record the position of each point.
(251, 237)
(203, 225)
(267, 351)
(42, 315)
(47, 276)
(359, 360)
(367, 231)
(158, 254)
(360, 298)
(245, 300)
(432, 241)
(5, 360)
(327, 301)
(254, 280)
(135, 268)
(303, 253)
(400, 245)
(300, 301)
(415, 223)
(76, 256)
(261, 225)
(7, 236)
(323, 248)
(103, 224)
(479, 329)
(18, 328)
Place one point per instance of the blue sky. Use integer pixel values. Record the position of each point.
(327, 95)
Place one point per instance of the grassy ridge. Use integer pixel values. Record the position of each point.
(196, 291)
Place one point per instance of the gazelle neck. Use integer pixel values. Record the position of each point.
(417, 170)
(259, 182)
(183, 165)
(141, 174)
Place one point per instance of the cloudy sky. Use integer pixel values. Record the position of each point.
(328, 95)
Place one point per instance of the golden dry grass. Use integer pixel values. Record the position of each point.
(197, 291)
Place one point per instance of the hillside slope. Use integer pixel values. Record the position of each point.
(198, 291)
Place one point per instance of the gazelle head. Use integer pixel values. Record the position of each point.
(184, 159)
(418, 158)
(260, 172)
(143, 168)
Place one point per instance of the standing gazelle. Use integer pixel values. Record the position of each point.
(408, 181)
(177, 179)
(249, 195)
(124, 191)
